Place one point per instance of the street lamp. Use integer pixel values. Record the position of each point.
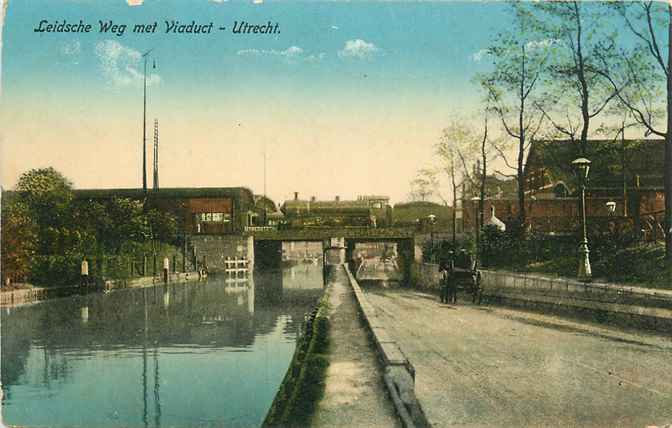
(431, 220)
(582, 165)
(475, 200)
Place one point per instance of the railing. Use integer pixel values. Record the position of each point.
(260, 228)
(237, 268)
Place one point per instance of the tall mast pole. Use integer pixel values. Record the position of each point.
(144, 123)
(144, 128)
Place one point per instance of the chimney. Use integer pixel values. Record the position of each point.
(296, 196)
(312, 199)
(338, 198)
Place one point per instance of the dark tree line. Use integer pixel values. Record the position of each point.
(46, 231)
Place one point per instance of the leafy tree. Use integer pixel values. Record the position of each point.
(47, 194)
(163, 226)
(46, 231)
(19, 239)
(128, 224)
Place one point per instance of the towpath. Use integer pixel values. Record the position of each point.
(355, 394)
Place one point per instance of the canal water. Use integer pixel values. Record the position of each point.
(206, 354)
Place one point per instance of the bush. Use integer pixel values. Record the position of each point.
(614, 256)
(438, 251)
(55, 270)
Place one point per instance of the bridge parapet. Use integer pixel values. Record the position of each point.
(319, 234)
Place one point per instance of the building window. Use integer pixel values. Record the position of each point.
(213, 217)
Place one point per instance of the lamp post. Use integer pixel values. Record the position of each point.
(475, 201)
(584, 273)
(431, 220)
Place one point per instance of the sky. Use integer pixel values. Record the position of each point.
(348, 99)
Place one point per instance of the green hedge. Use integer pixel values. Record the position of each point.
(303, 385)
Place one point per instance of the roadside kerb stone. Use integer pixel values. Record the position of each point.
(628, 301)
(591, 304)
(381, 335)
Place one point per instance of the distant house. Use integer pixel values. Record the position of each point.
(497, 186)
(615, 167)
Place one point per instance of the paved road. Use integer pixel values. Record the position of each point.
(490, 366)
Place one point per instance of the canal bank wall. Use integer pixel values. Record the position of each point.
(215, 250)
(36, 294)
(399, 373)
(602, 302)
(303, 384)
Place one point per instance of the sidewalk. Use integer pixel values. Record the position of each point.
(354, 395)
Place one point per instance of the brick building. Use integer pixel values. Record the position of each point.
(626, 176)
(208, 210)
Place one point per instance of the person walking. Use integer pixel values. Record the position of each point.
(166, 269)
(443, 273)
(84, 273)
(451, 286)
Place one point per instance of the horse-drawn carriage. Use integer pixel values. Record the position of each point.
(463, 274)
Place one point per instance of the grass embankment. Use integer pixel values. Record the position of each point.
(303, 385)
(642, 265)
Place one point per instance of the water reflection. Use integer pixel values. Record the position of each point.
(202, 354)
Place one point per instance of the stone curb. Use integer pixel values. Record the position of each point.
(38, 294)
(149, 281)
(399, 372)
(655, 305)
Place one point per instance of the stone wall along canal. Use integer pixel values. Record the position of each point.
(200, 354)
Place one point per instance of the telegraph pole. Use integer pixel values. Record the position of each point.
(156, 155)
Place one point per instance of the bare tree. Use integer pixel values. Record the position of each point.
(422, 187)
(456, 149)
(518, 61)
(459, 147)
(484, 171)
(643, 72)
(577, 35)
